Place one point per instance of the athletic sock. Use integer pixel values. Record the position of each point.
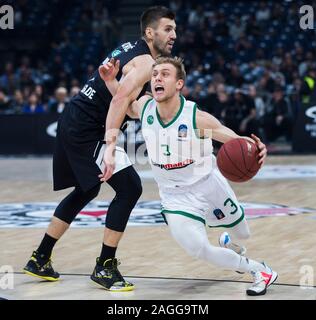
(46, 246)
(248, 265)
(107, 252)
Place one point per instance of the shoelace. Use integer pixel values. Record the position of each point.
(48, 264)
(112, 270)
(257, 277)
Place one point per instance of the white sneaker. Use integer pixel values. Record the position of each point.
(262, 280)
(226, 242)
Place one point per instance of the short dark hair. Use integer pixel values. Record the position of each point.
(152, 15)
(176, 62)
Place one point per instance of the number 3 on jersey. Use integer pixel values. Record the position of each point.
(166, 151)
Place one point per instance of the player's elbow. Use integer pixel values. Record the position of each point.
(130, 112)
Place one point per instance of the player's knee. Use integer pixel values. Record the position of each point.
(127, 195)
(131, 191)
(92, 193)
(137, 188)
(204, 247)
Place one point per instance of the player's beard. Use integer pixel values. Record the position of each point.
(161, 48)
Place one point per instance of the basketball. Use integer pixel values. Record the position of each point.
(237, 160)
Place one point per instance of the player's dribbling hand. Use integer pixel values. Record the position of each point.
(109, 70)
(109, 161)
(262, 149)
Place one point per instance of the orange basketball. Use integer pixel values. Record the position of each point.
(237, 160)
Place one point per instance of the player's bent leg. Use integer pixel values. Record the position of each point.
(127, 185)
(40, 263)
(191, 235)
(227, 201)
(70, 206)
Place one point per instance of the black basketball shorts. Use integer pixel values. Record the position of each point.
(79, 163)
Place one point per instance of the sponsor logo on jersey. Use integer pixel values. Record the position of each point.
(115, 53)
(182, 131)
(150, 119)
(146, 213)
(219, 214)
(173, 166)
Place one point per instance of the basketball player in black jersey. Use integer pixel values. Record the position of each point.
(80, 160)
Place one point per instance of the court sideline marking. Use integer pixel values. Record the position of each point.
(174, 278)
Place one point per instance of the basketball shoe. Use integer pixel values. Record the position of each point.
(41, 267)
(262, 280)
(226, 242)
(109, 277)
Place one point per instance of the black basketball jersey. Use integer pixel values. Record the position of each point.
(88, 109)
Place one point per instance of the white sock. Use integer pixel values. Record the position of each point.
(248, 265)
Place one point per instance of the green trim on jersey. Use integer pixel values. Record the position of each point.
(194, 123)
(143, 111)
(176, 116)
(234, 223)
(186, 214)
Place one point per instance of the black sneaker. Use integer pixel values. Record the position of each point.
(109, 277)
(41, 267)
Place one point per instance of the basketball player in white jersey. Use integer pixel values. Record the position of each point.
(193, 192)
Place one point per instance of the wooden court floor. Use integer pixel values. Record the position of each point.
(150, 257)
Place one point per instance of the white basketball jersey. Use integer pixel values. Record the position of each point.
(178, 156)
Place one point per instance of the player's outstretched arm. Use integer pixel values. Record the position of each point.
(211, 127)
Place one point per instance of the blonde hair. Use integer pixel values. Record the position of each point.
(177, 62)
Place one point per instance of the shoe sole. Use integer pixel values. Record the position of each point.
(125, 289)
(272, 280)
(41, 277)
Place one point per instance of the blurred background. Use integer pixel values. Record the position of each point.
(248, 63)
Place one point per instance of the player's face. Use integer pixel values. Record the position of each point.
(164, 83)
(164, 36)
